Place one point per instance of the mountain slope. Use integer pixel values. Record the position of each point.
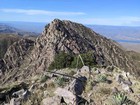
(69, 37)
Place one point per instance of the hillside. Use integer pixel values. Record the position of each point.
(6, 41)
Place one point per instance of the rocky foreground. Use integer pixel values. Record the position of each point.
(96, 86)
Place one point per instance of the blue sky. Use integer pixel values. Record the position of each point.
(102, 12)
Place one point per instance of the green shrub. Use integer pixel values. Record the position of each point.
(121, 99)
(61, 60)
(102, 78)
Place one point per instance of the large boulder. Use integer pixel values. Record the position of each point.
(51, 101)
(68, 96)
(77, 86)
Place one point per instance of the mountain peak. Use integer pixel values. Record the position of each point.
(70, 37)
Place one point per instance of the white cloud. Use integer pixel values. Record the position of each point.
(125, 20)
(40, 12)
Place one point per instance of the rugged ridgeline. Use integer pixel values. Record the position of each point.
(29, 58)
(72, 37)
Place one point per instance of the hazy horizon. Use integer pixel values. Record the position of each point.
(95, 12)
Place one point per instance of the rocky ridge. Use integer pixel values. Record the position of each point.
(75, 38)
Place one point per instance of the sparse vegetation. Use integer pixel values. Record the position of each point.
(89, 86)
(61, 81)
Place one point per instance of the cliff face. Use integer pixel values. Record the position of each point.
(69, 37)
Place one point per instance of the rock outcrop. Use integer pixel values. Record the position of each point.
(17, 52)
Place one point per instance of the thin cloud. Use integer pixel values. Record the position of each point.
(125, 20)
(40, 12)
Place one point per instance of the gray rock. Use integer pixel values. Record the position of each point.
(51, 101)
(22, 94)
(127, 88)
(85, 69)
(18, 93)
(119, 78)
(77, 86)
(127, 82)
(68, 96)
(15, 101)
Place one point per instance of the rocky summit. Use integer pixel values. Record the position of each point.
(75, 38)
(26, 60)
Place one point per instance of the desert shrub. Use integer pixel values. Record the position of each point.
(44, 78)
(102, 78)
(121, 99)
(61, 81)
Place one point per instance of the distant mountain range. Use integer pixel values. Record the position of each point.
(7, 29)
(36, 27)
(118, 33)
